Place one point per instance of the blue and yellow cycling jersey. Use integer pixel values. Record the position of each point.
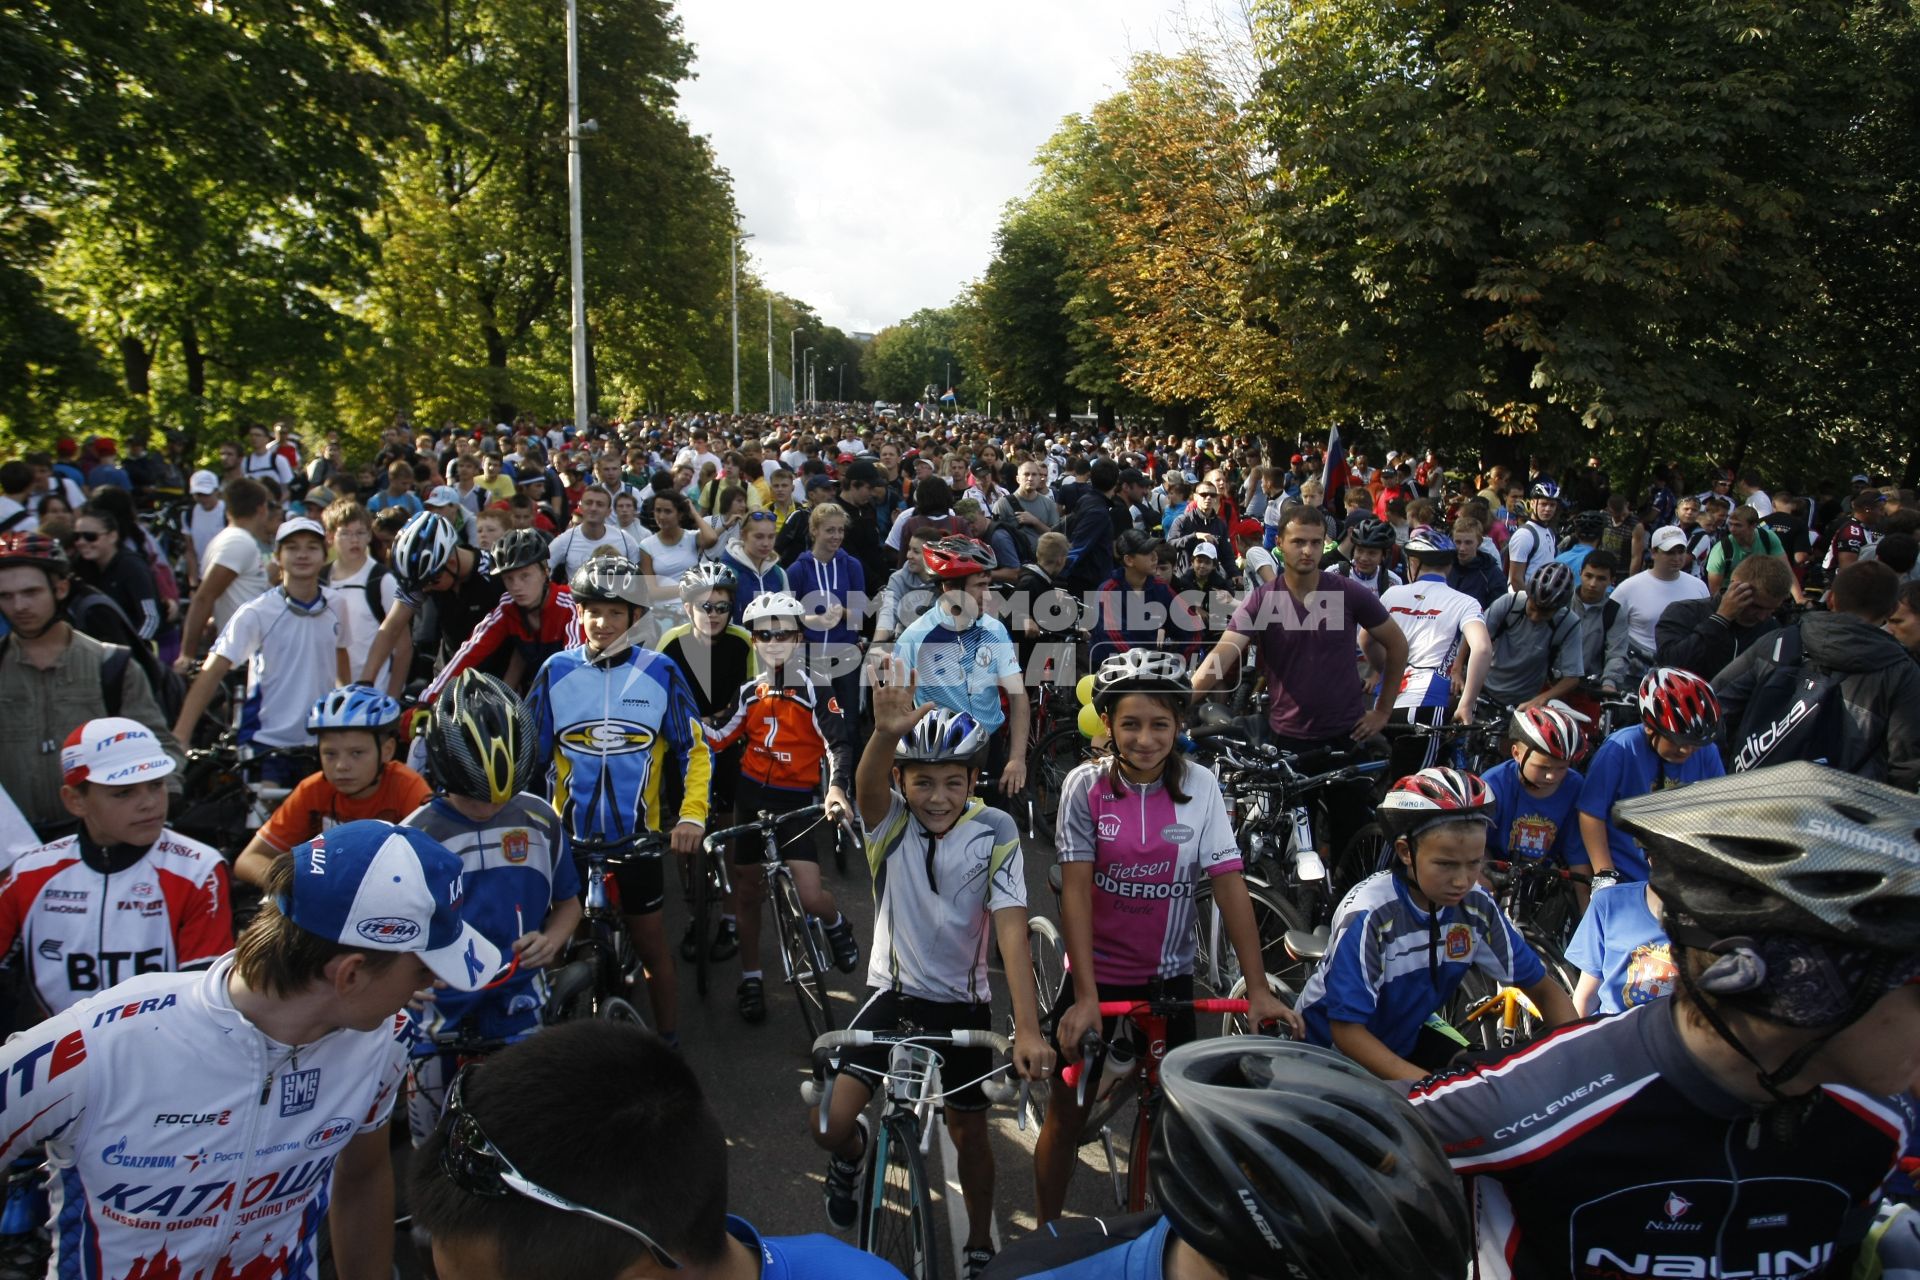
(605, 727)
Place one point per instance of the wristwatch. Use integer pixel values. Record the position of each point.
(1601, 879)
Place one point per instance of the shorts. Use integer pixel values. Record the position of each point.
(795, 838)
(1180, 1028)
(894, 1010)
(641, 882)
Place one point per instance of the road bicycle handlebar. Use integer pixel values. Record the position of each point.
(995, 1084)
(641, 844)
(766, 821)
(1533, 867)
(1075, 1074)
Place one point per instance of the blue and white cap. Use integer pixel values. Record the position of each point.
(373, 885)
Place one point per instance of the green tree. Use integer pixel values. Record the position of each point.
(918, 352)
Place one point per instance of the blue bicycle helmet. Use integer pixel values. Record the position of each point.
(1429, 541)
(944, 735)
(424, 546)
(357, 706)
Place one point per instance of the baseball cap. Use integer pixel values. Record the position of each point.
(821, 482)
(372, 885)
(444, 495)
(1205, 551)
(299, 524)
(114, 752)
(1668, 537)
(1863, 479)
(203, 482)
(531, 477)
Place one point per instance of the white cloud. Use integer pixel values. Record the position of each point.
(874, 143)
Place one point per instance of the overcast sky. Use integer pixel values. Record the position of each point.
(874, 143)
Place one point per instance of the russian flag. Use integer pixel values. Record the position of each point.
(1335, 475)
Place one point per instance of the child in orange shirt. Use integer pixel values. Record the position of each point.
(358, 778)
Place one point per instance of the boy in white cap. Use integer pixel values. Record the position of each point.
(124, 895)
(202, 521)
(294, 641)
(207, 1123)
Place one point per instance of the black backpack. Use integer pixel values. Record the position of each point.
(1796, 713)
(376, 599)
(1026, 542)
(94, 613)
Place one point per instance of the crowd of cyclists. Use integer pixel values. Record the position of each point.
(448, 672)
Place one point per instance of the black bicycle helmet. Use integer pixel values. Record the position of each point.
(481, 742)
(1279, 1159)
(1138, 671)
(609, 580)
(1374, 534)
(1589, 525)
(1551, 585)
(517, 549)
(1795, 848)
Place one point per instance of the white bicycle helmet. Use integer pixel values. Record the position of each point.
(422, 549)
(944, 735)
(774, 604)
(1138, 671)
(1551, 730)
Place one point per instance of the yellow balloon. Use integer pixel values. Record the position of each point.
(1091, 724)
(1084, 690)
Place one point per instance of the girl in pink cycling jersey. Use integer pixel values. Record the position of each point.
(1136, 831)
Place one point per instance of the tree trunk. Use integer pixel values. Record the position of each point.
(136, 363)
(502, 409)
(1742, 439)
(1637, 484)
(195, 358)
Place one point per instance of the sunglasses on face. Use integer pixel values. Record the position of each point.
(79, 536)
(714, 610)
(477, 1167)
(774, 637)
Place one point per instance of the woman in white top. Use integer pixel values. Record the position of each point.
(682, 536)
(731, 518)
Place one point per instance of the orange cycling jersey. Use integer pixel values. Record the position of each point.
(789, 725)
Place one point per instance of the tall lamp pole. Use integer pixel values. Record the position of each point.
(573, 220)
(769, 355)
(806, 362)
(793, 370)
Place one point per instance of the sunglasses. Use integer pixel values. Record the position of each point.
(478, 1168)
(773, 637)
(761, 515)
(87, 537)
(714, 610)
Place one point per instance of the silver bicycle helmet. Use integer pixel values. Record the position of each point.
(943, 735)
(1138, 671)
(708, 575)
(1551, 585)
(1279, 1159)
(609, 580)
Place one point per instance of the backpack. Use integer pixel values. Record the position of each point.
(1562, 625)
(1025, 541)
(1795, 713)
(94, 613)
(376, 599)
(14, 519)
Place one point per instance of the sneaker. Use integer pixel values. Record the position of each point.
(752, 998)
(846, 951)
(726, 942)
(690, 943)
(974, 1263)
(843, 1177)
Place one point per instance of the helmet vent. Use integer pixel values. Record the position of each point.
(1749, 850)
(1853, 813)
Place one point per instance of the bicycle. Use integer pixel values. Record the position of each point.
(1049, 760)
(223, 803)
(896, 1204)
(804, 955)
(1138, 1080)
(596, 980)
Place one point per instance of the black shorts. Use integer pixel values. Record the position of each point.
(893, 1010)
(1180, 1028)
(795, 838)
(641, 881)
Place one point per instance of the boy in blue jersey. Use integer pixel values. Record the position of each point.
(1678, 716)
(1536, 792)
(1403, 940)
(612, 718)
(588, 1152)
(522, 891)
(1621, 951)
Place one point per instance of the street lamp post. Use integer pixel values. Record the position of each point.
(806, 363)
(793, 370)
(573, 220)
(769, 354)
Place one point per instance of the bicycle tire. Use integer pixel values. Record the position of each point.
(1051, 760)
(702, 911)
(1139, 1184)
(1235, 1024)
(1047, 953)
(615, 1009)
(896, 1208)
(1361, 856)
(805, 964)
(1216, 968)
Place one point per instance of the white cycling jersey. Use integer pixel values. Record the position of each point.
(183, 1141)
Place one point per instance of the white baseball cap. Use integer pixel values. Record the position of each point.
(444, 495)
(1668, 537)
(299, 524)
(203, 482)
(114, 752)
(1205, 551)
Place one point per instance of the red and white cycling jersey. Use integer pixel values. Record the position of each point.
(83, 930)
(184, 1142)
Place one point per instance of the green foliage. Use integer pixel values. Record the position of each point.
(905, 359)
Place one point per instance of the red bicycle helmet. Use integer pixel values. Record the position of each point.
(1552, 731)
(35, 550)
(1678, 704)
(1432, 796)
(958, 557)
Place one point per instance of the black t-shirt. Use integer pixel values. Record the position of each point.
(715, 672)
(1791, 530)
(128, 582)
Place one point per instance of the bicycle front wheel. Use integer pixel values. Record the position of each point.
(1052, 759)
(703, 893)
(896, 1207)
(803, 956)
(614, 1009)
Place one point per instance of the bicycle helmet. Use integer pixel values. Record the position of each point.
(481, 741)
(1589, 525)
(708, 575)
(943, 735)
(516, 550)
(1138, 671)
(357, 706)
(1373, 534)
(1544, 489)
(1677, 704)
(773, 604)
(1429, 542)
(1552, 731)
(1279, 1159)
(609, 580)
(1431, 797)
(1551, 585)
(423, 547)
(33, 550)
(958, 557)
